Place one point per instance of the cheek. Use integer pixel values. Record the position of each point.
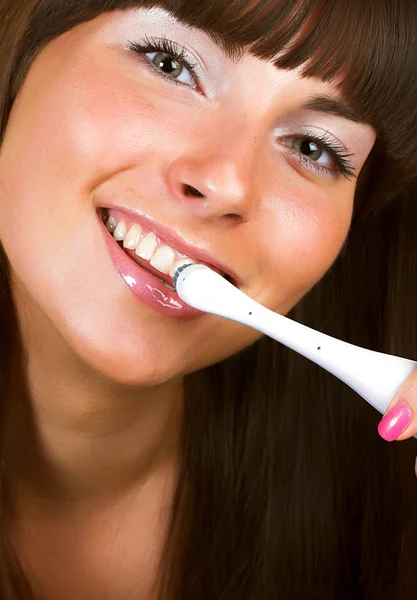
(67, 134)
(63, 130)
(307, 240)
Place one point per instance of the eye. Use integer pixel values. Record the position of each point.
(322, 154)
(171, 61)
(171, 67)
(310, 149)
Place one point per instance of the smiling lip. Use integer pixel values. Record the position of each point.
(172, 239)
(146, 286)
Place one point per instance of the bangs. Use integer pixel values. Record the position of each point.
(367, 48)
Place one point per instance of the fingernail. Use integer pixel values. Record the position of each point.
(395, 422)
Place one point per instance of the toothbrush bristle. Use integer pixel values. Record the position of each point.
(178, 273)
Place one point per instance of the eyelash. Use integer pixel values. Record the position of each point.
(338, 153)
(169, 47)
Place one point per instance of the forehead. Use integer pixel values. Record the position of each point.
(293, 31)
(326, 96)
(324, 39)
(367, 49)
(156, 22)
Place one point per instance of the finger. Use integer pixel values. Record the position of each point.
(400, 419)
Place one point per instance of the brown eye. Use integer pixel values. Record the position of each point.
(167, 64)
(308, 148)
(321, 153)
(311, 150)
(171, 67)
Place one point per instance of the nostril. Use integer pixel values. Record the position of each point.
(189, 190)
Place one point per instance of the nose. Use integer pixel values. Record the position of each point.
(215, 179)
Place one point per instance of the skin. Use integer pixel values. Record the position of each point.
(406, 396)
(95, 122)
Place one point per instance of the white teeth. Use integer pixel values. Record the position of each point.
(111, 224)
(163, 259)
(120, 231)
(132, 239)
(180, 263)
(147, 246)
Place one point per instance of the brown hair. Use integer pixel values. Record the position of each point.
(286, 491)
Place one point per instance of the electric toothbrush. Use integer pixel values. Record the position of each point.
(373, 375)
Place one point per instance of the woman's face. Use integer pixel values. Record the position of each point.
(98, 125)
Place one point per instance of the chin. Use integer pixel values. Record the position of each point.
(123, 363)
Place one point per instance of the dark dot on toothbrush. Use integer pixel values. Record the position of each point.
(319, 348)
(250, 313)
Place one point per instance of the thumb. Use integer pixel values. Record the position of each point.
(400, 419)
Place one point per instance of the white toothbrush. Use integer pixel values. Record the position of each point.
(373, 375)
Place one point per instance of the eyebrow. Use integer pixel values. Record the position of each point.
(319, 103)
(334, 106)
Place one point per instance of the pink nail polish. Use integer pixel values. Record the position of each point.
(395, 422)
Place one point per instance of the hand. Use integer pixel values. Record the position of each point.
(400, 419)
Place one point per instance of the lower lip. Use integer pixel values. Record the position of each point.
(146, 286)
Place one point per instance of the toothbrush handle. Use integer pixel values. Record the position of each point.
(373, 375)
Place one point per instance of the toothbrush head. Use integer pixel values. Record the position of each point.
(178, 272)
(200, 287)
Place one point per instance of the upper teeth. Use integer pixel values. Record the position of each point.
(132, 239)
(163, 259)
(146, 245)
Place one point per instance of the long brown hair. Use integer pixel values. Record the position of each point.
(285, 490)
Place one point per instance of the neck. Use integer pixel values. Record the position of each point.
(78, 437)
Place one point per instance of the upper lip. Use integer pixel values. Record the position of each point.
(172, 239)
